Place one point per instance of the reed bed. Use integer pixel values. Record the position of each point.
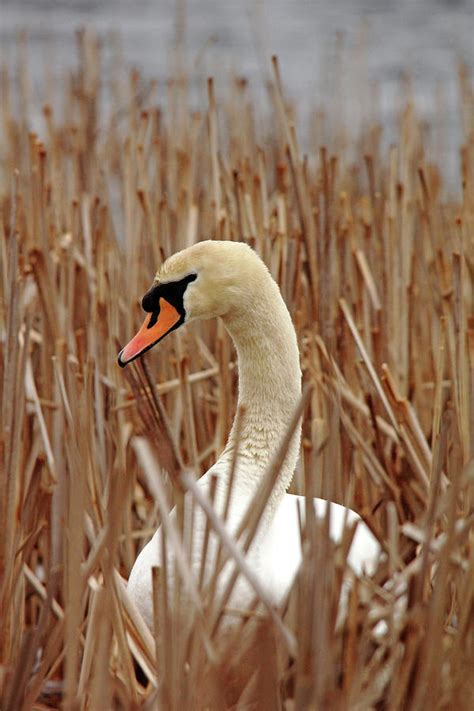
(376, 265)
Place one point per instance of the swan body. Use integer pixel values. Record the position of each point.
(227, 279)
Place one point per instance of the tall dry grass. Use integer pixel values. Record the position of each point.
(376, 266)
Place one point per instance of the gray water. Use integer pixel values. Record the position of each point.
(320, 44)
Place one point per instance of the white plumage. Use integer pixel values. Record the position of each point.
(232, 282)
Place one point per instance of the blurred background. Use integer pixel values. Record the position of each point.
(364, 53)
(388, 39)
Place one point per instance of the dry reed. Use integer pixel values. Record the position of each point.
(377, 268)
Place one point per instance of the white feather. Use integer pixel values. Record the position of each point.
(233, 283)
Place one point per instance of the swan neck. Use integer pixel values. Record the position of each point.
(269, 384)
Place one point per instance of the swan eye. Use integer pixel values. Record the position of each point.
(172, 291)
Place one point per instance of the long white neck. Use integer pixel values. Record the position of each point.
(269, 386)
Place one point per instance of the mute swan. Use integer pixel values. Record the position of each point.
(229, 280)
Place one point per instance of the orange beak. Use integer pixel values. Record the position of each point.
(154, 328)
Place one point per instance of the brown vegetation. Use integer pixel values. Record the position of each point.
(377, 268)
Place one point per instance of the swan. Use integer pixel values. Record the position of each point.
(229, 280)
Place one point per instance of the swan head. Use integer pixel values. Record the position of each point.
(209, 279)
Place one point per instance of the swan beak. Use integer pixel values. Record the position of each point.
(155, 327)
